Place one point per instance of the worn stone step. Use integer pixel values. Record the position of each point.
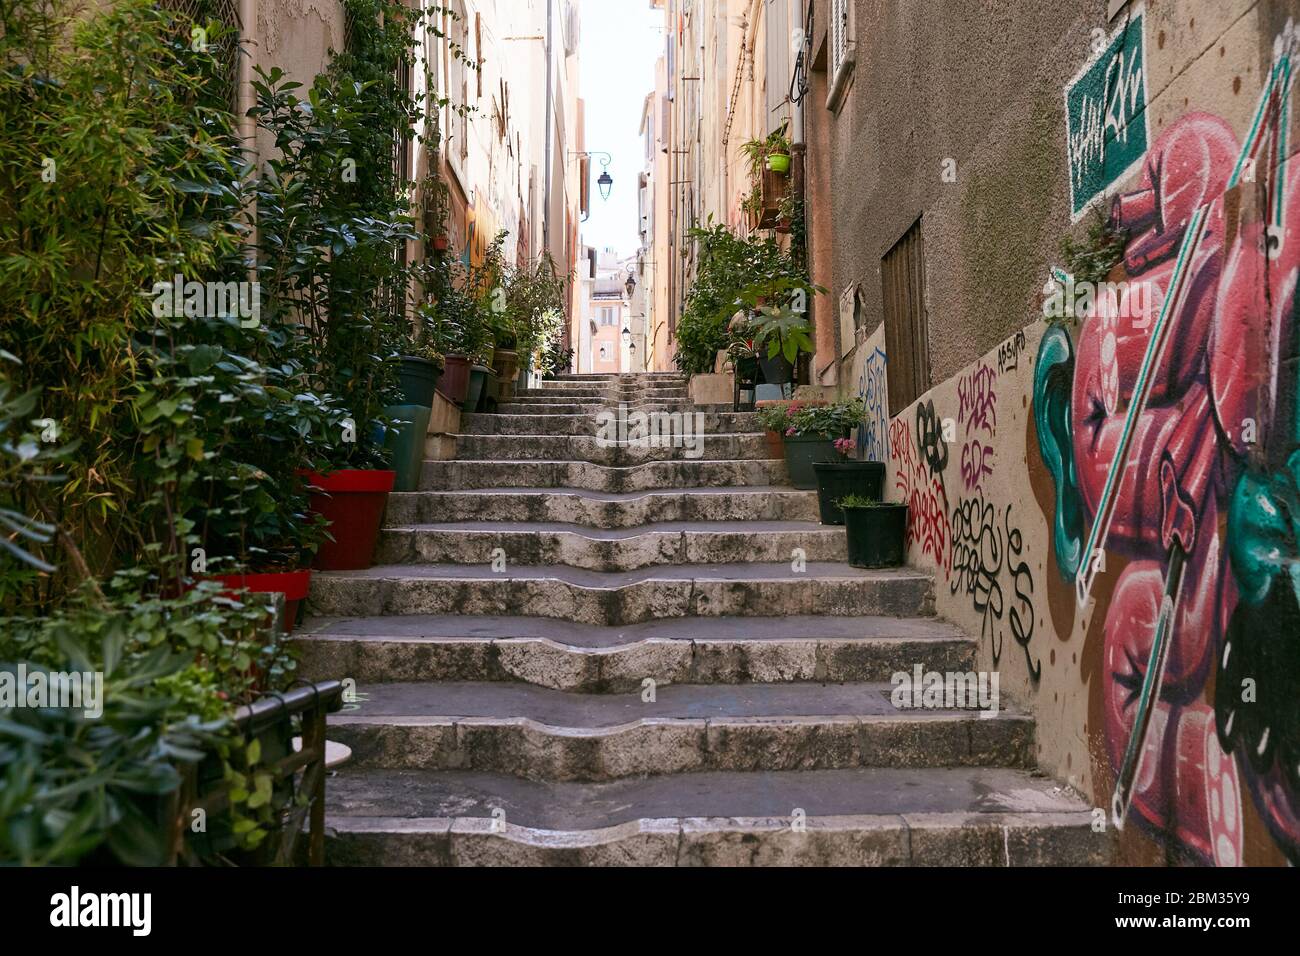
(857, 817)
(624, 597)
(590, 425)
(673, 446)
(619, 388)
(605, 397)
(586, 476)
(597, 509)
(624, 549)
(543, 734)
(649, 377)
(601, 401)
(576, 657)
(535, 406)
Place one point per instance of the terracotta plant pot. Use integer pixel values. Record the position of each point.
(353, 502)
(775, 446)
(454, 381)
(292, 584)
(506, 363)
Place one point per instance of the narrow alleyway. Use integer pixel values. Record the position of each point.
(577, 653)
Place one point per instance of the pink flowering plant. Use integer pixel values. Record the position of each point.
(813, 419)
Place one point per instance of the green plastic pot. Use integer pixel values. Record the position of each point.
(876, 535)
(406, 441)
(419, 378)
(837, 479)
(474, 390)
(801, 452)
(778, 162)
(487, 400)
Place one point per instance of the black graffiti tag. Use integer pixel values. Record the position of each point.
(929, 442)
(1022, 612)
(981, 553)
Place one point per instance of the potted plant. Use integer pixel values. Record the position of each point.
(345, 294)
(876, 531)
(777, 151)
(780, 334)
(847, 476)
(528, 314)
(771, 152)
(459, 315)
(809, 436)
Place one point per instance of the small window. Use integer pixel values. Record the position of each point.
(840, 39)
(907, 341)
(841, 51)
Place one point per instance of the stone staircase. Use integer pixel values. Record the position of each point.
(650, 677)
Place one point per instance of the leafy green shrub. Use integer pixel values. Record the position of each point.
(735, 274)
(130, 434)
(72, 784)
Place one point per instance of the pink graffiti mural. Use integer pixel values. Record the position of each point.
(922, 490)
(977, 411)
(1148, 424)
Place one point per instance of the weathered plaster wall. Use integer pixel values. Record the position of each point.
(297, 35)
(1005, 463)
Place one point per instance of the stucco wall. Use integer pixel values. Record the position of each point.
(1005, 462)
(296, 35)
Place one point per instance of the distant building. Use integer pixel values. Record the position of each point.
(606, 344)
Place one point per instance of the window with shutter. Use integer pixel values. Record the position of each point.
(777, 13)
(841, 50)
(907, 341)
(839, 31)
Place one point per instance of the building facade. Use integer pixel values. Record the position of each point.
(1061, 276)
(505, 144)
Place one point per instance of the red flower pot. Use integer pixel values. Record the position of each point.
(292, 584)
(353, 504)
(454, 382)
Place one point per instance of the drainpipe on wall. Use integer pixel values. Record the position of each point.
(550, 124)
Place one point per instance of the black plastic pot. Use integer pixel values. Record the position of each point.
(836, 479)
(747, 371)
(776, 371)
(876, 535)
(419, 378)
(801, 451)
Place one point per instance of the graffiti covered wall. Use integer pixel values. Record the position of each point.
(1110, 501)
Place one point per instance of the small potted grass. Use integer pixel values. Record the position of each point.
(876, 531)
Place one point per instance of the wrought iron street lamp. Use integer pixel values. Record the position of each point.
(606, 181)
